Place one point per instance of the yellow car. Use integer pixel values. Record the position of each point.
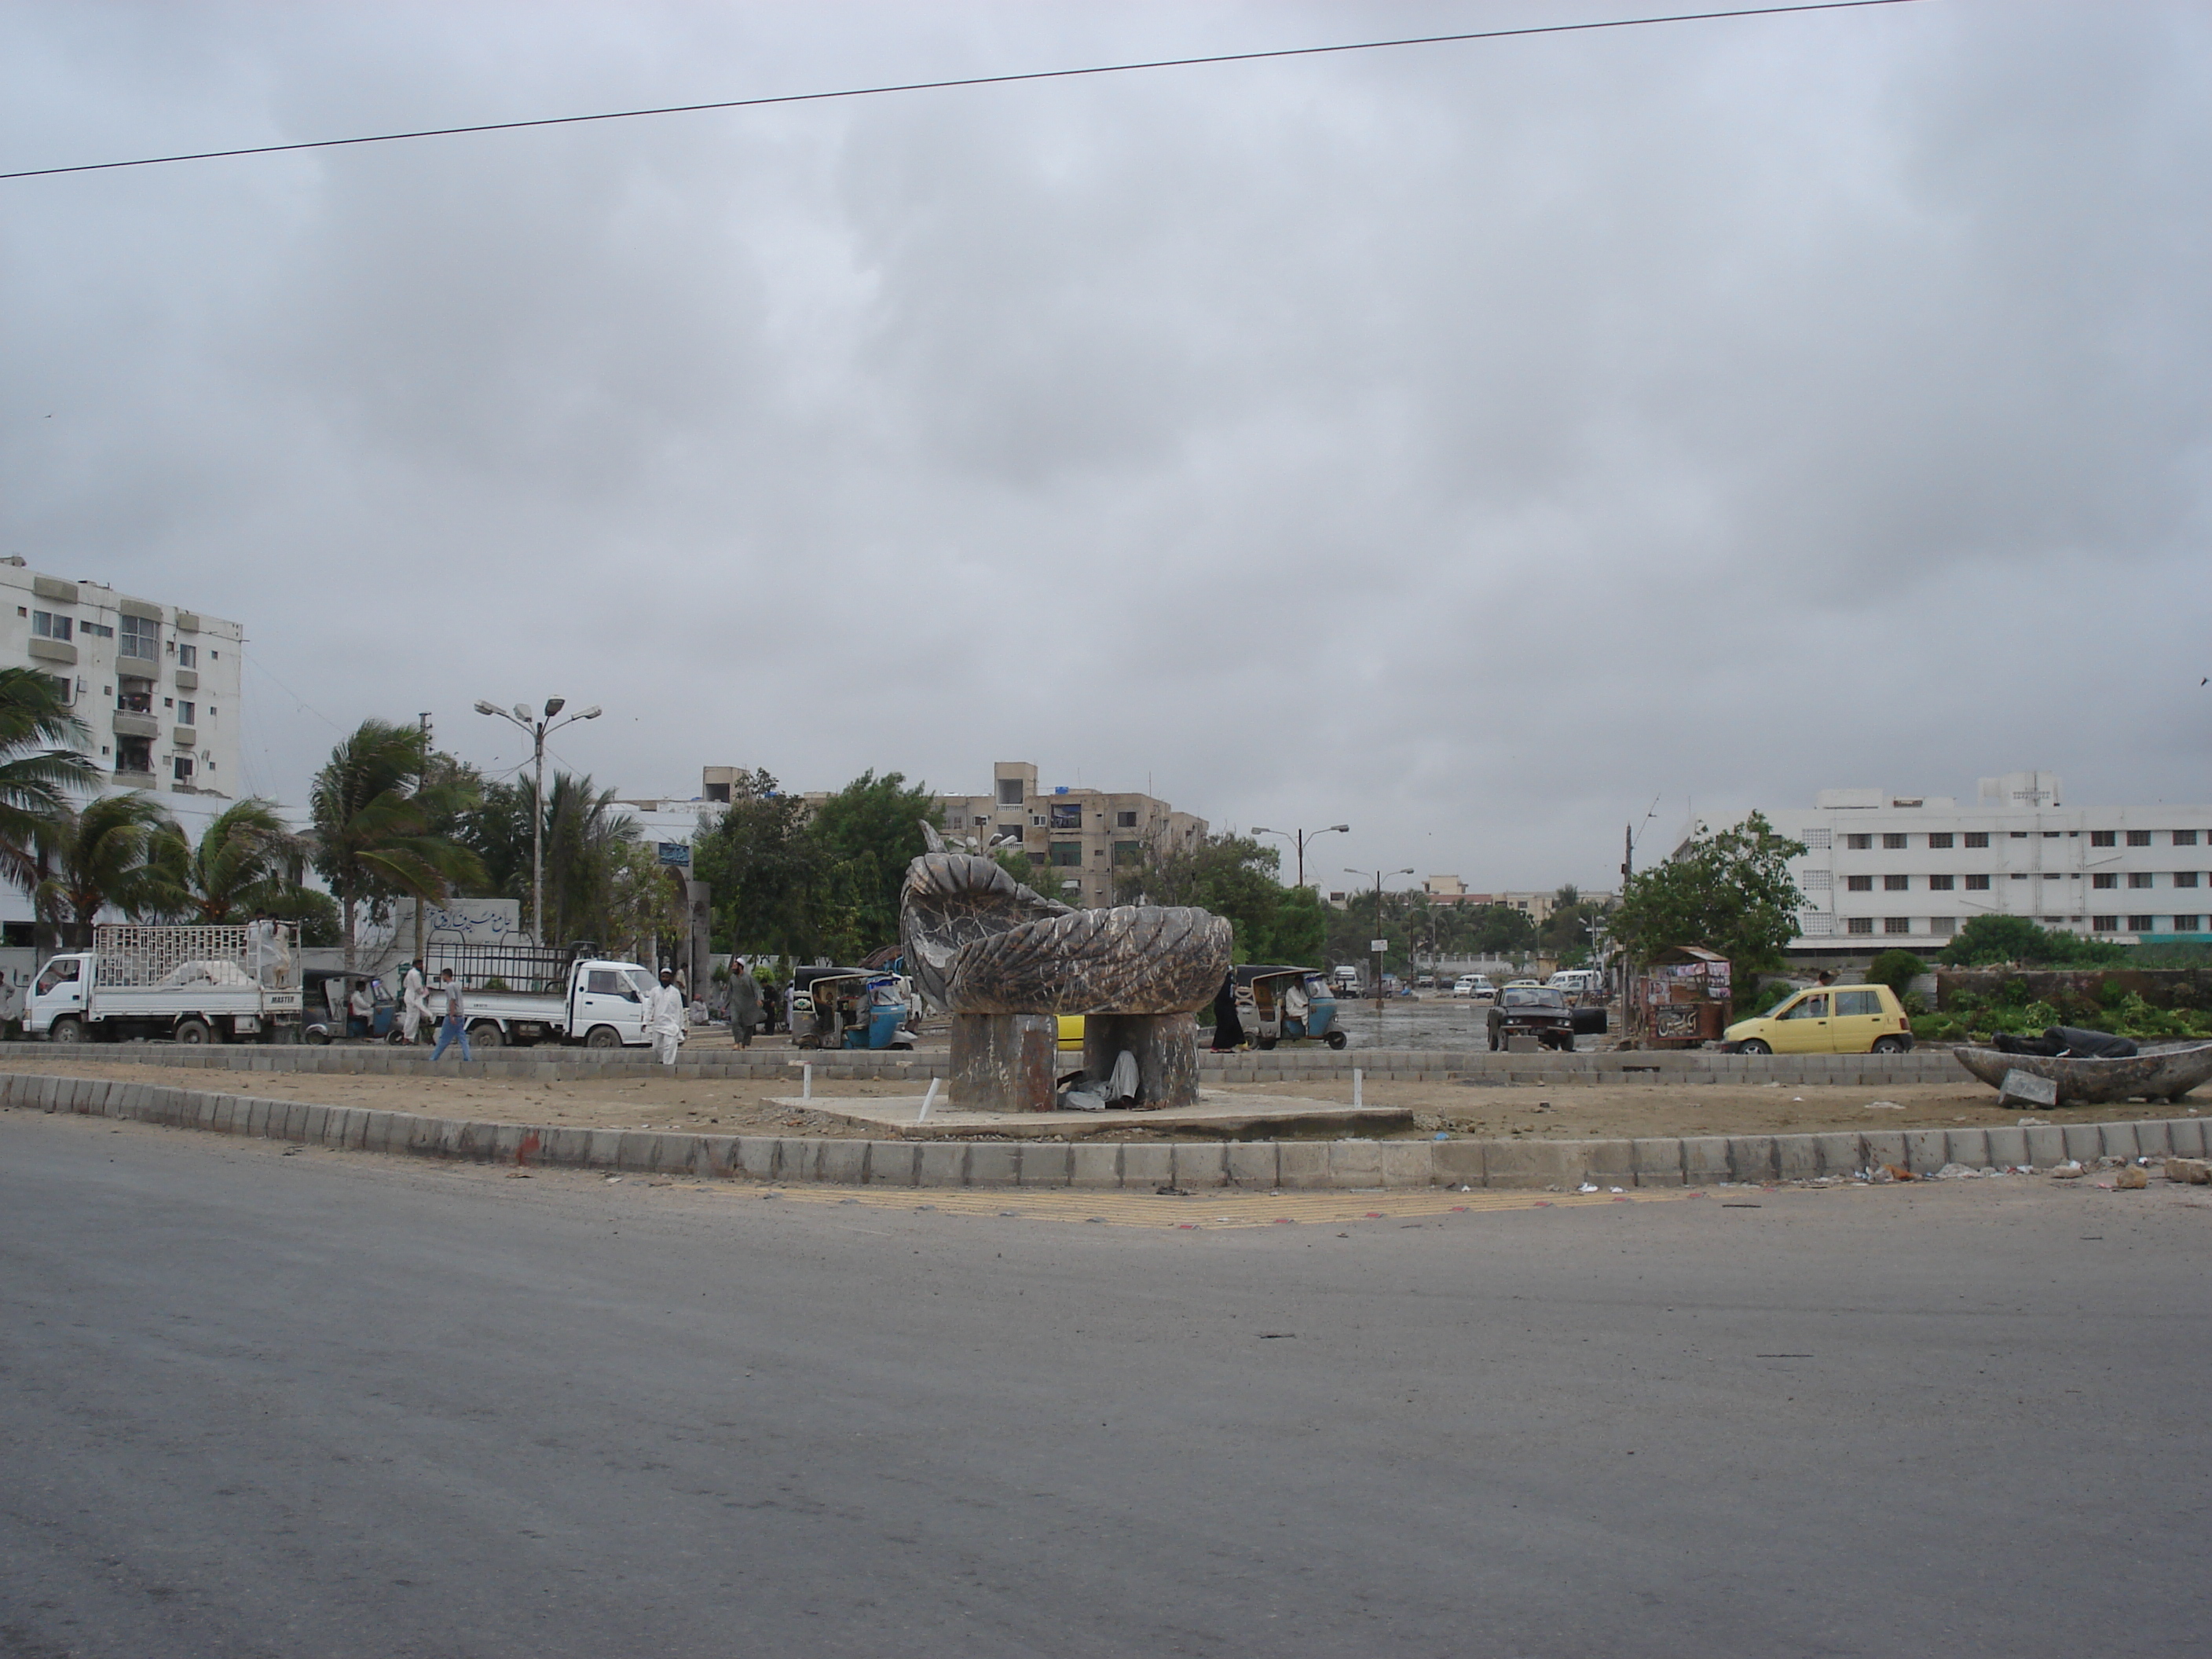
(1829, 1019)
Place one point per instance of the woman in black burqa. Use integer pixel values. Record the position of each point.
(1228, 1030)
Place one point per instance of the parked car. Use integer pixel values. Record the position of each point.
(1578, 981)
(1828, 1019)
(1477, 986)
(1532, 1010)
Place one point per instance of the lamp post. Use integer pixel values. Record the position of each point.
(537, 729)
(1300, 837)
(1377, 942)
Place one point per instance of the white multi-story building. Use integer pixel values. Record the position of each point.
(1882, 869)
(157, 686)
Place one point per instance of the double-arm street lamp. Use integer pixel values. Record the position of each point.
(1302, 836)
(521, 715)
(1377, 941)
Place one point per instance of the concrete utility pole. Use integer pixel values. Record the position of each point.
(1302, 837)
(537, 729)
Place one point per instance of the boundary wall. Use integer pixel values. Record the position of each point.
(1260, 1165)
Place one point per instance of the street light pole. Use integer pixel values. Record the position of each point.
(538, 730)
(1378, 938)
(1303, 837)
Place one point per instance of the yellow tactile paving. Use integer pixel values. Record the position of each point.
(1202, 1212)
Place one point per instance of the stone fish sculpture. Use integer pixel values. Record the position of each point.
(1007, 962)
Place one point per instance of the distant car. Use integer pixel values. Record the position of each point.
(1532, 1010)
(1828, 1019)
(1476, 986)
(1425, 981)
(1523, 985)
(1577, 981)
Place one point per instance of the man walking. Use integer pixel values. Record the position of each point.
(664, 1017)
(744, 1004)
(456, 1023)
(414, 1003)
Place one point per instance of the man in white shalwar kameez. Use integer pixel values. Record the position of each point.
(666, 1018)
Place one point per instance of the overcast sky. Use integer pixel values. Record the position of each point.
(1478, 443)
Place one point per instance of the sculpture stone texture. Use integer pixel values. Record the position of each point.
(1007, 962)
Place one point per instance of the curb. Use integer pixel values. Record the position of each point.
(1476, 1067)
(1267, 1165)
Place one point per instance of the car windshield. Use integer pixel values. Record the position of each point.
(640, 981)
(1534, 997)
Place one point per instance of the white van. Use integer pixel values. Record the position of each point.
(1577, 981)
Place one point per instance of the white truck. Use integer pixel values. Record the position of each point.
(522, 995)
(185, 984)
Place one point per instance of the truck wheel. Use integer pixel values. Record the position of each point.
(1337, 1039)
(604, 1036)
(315, 1037)
(194, 1030)
(67, 1028)
(485, 1035)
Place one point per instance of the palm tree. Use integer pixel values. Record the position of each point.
(40, 767)
(111, 853)
(241, 863)
(375, 823)
(583, 835)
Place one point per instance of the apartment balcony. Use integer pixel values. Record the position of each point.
(128, 725)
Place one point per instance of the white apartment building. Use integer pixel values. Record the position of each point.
(158, 686)
(1882, 869)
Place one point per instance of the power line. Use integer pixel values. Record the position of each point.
(964, 81)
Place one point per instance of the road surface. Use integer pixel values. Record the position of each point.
(329, 1404)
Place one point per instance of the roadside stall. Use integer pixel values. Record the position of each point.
(1680, 997)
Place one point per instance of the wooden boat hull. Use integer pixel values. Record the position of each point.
(2164, 1073)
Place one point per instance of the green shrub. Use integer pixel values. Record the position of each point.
(1897, 969)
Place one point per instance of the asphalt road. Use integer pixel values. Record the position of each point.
(326, 1404)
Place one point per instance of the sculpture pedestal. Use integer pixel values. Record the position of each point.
(1166, 1048)
(1004, 1062)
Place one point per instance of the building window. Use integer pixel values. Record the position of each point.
(188, 656)
(2184, 838)
(1893, 842)
(1010, 791)
(1977, 838)
(1066, 815)
(1067, 854)
(134, 755)
(2189, 924)
(51, 625)
(1816, 839)
(1896, 884)
(1939, 883)
(1858, 924)
(1815, 924)
(1859, 884)
(95, 631)
(1126, 819)
(1944, 925)
(2104, 878)
(2102, 838)
(1817, 881)
(180, 768)
(2138, 878)
(65, 692)
(2140, 924)
(1897, 924)
(2138, 837)
(2104, 924)
(1858, 843)
(1939, 840)
(719, 792)
(184, 714)
(2185, 878)
(140, 636)
(1978, 884)
(1128, 852)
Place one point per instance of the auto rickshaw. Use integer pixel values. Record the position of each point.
(326, 1016)
(848, 1008)
(1280, 1003)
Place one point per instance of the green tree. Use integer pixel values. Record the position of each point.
(315, 913)
(1300, 929)
(114, 853)
(1018, 865)
(1730, 893)
(240, 866)
(1897, 969)
(764, 869)
(645, 902)
(373, 809)
(40, 769)
(868, 833)
(1500, 930)
(586, 843)
(1233, 876)
(1986, 941)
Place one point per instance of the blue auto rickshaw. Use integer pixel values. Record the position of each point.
(848, 1008)
(1280, 1003)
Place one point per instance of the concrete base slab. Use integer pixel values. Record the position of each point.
(1217, 1114)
